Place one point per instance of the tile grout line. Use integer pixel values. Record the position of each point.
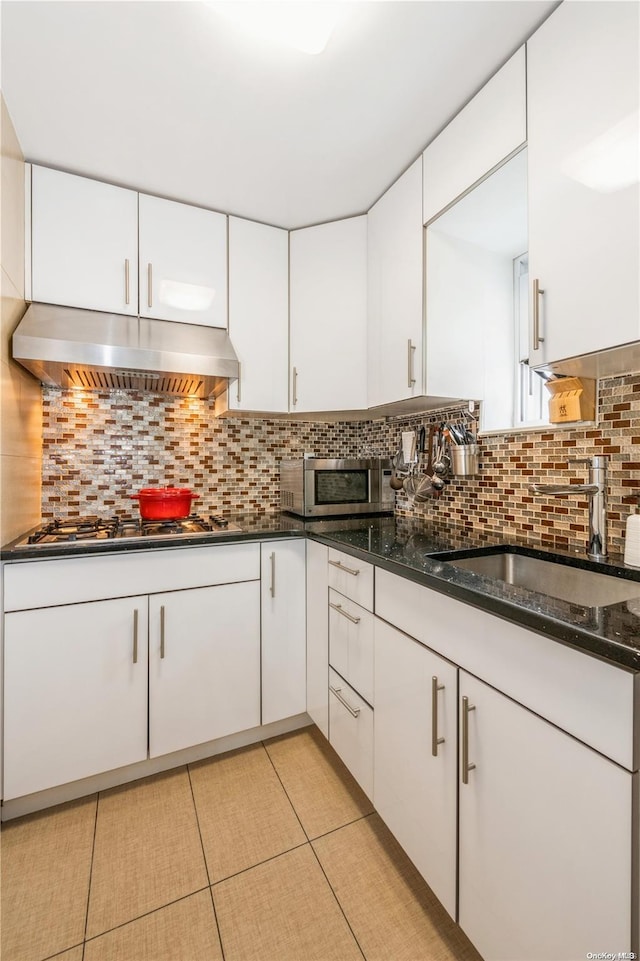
(342, 911)
(259, 864)
(93, 852)
(286, 794)
(206, 865)
(340, 908)
(146, 914)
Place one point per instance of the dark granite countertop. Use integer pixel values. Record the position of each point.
(254, 526)
(407, 547)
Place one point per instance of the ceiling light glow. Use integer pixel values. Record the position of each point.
(303, 25)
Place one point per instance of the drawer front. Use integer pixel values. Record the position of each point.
(351, 731)
(72, 580)
(584, 696)
(351, 643)
(351, 577)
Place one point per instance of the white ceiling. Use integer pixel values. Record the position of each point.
(169, 98)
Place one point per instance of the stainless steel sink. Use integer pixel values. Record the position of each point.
(573, 584)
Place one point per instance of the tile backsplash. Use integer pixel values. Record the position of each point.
(101, 447)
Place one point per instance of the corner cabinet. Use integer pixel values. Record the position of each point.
(283, 629)
(584, 198)
(84, 243)
(394, 304)
(328, 319)
(259, 316)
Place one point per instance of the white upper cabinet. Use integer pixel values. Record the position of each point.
(183, 263)
(328, 285)
(395, 317)
(491, 126)
(84, 242)
(584, 163)
(259, 315)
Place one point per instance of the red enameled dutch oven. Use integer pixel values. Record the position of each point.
(164, 503)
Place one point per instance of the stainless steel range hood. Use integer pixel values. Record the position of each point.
(68, 347)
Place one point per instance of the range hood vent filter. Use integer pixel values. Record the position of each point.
(83, 349)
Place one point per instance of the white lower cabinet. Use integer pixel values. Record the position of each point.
(204, 665)
(318, 635)
(415, 755)
(545, 837)
(75, 693)
(351, 730)
(284, 667)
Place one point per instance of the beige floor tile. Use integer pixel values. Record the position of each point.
(323, 793)
(283, 910)
(184, 931)
(75, 954)
(392, 912)
(46, 862)
(147, 850)
(244, 814)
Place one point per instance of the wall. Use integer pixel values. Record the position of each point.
(20, 397)
(98, 448)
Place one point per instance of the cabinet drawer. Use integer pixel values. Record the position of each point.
(47, 583)
(557, 682)
(351, 731)
(351, 577)
(351, 643)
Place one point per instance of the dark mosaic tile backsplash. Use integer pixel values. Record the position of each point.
(101, 447)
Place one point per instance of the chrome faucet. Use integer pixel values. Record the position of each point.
(597, 491)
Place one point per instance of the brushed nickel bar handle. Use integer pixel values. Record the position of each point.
(127, 298)
(353, 711)
(340, 609)
(343, 567)
(150, 285)
(273, 574)
(162, 632)
(410, 378)
(135, 636)
(537, 290)
(435, 740)
(294, 400)
(239, 395)
(466, 767)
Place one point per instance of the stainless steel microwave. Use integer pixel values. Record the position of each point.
(318, 487)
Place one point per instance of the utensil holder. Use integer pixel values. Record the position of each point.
(464, 458)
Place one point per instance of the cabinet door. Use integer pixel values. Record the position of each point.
(183, 263)
(204, 665)
(415, 789)
(328, 316)
(545, 837)
(584, 157)
(283, 630)
(395, 315)
(491, 126)
(318, 635)
(75, 692)
(259, 315)
(84, 243)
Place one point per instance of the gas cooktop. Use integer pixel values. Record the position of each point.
(80, 530)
